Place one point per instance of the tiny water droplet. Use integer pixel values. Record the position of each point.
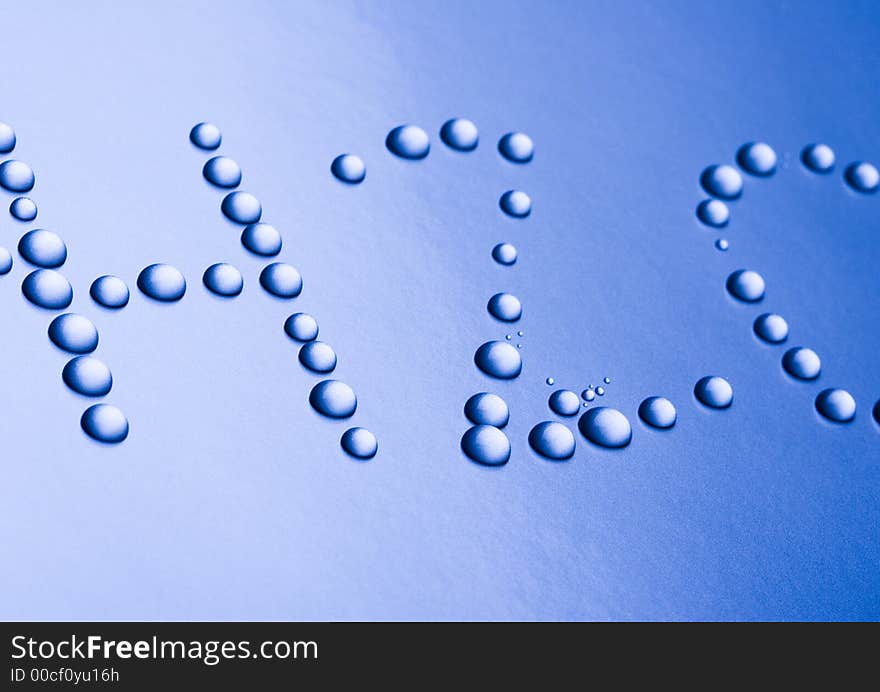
(504, 253)
(505, 307)
(73, 333)
(317, 356)
(43, 248)
(460, 134)
(606, 380)
(301, 326)
(333, 399)
(863, 177)
(109, 291)
(88, 376)
(516, 203)
(606, 427)
(261, 239)
(836, 405)
(359, 443)
(162, 282)
(5, 261)
(516, 147)
(757, 158)
(105, 423)
(16, 176)
(408, 142)
(206, 136)
(713, 212)
(714, 392)
(722, 244)
(349, 168)
(241, 207)
(550, 381)
(47, 288)
(519, 333)
(588, 394)
(222, 172)
(519, 345)
(508, 337)
(223, 280)
(485, 408)
(819, 158)
(23, 209)
(802, 363)
(722, 181)
(658, 412)
(7, 138)
(746, 285)
(564, 402)
(281, 280)
(600, 391)
(486, 445)
(553, 440)
(771, 327)
(498, 359)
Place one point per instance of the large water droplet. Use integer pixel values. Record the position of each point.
(746, 285)
(43, 248)
(317, 356)
(5, 261)
(771, 327)
(206, 136)
(105, 423)
(819, 158)
(241, 207)
(487, 409)
(552, 440)
(505, 307)
(281, 280)
(757, 158)
(162, 282)
(109, 291)
(349, 169)
(836, 405)
(88, 376)
(47, 288)
(863, 177)
(333, 398)
(722, 181)
(359, 443)
(516, 147)
(486, 444)
(802, 363)
(516, 203)
(301, 326)
(223, 279)
(713, 212)
(504, 253)
(222, 171)
(16, 176)
(261, 239)
(606, 427)
(408, 142)
(658, 412)
(564, 402)
(460, 134)
(498, 359)
(7, 138)
(714, 392)
(73, 333)
(23, 209)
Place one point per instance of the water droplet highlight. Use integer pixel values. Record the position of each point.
(487, 409)
(281, 280)
(88, 376)
(460, 134)
(722, 181)
(206, 136)
(222, 172)
(714, 392)
(349, 168)
(606, 427)
(837, 405)
(516, 203)
(504, 253)
(819, 158)
(505, 307)
(241, 207)
(359, 443)
(498, 359)
(408, 142)
(757, 158)
(261, 239)
(722, 244)
(23, 209)
(713, 212)
(7, 138)
(162, 282)
(109, 291)
(658, 412)
(223, 279)
(333, 399)
(301, 326)
(553, 440)
(47, 288)
(73, 333)
(43, 248)
(746, 285)
(317, 356)
(5, 261)
(105, 423)
(771, 328)
(802, 363)
(516, 147)
(486, 445)
(564, 402)
(863, 177)
(16, 176)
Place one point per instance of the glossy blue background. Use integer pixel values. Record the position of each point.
(231, 499)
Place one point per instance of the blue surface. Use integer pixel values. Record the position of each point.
(232, 499)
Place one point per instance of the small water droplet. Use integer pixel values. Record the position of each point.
(349, 168)
(714, 392)
(105, 423)
(519, 345)
(606, 380)
(301, 326)
(223, 279)
(516, 203)
(863, 177)
(486, 444)
(519, 333)
(408, 142)
(16, 176)
(713, 212)
(508, 337)
(162, 282)
(498, 359)
(819, 158)
(47, 288)
(877, 412)
(802, 363)
(88, 376)
(771, 327)
(359, 443)
(73, 333)
(5, 261)
(23, 209)
(333, 399)
(746, 285)
(516, 147)
(550, 381)
(600, 391)
(281, 280)
(241, 207)
(504, 253)
(658, 412)
(606, 427)
(722, 244)
(485, 408)
(722, 181)
(505, 307)
(757, 158)
(261, 239)
(588, 394)
(109, 291)
(836, 405)
(43, 248)
(206, 136)
(564, 402)
(460, 134)
(317, 356)
(553, 440)
(7, 138)
(222, 171)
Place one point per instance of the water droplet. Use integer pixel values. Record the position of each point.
(16, 176)
(658, 412)
(47, 288)
(222, 171)
(746, 285)
(606, 380)
(600, 391)
(487, 409)
(109, 291)
(863, 177)
(498, 359)
(606, 427)
(550, 381)
(281, 280)
(7, 138)
(206, 136)
(486, 444)
(519, 345)
(516, 203)
(241, 207)
(504, 253)
(261, 239)
(508, 337)
(877, 412)
(223, 279)
(88, 376)
(757, 158)
(23, 209)
(802, 363)
(722, 181)
(588, 394)
(553, 440)
(359, 443)
(713, 212)
(771, 327)
(349, 169)
(714, 392)
(73, 333)
(519, 333)
(43, 248)
(333, 398)
(460, 134)
(819, 158)
(505, 307)
(162, 282)
(317, 356)
(408, 142)
(837, 405)
(516, 147)
(5, 261)
(564, 402)
(301, 326)
(722, 244)
(105, 423)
